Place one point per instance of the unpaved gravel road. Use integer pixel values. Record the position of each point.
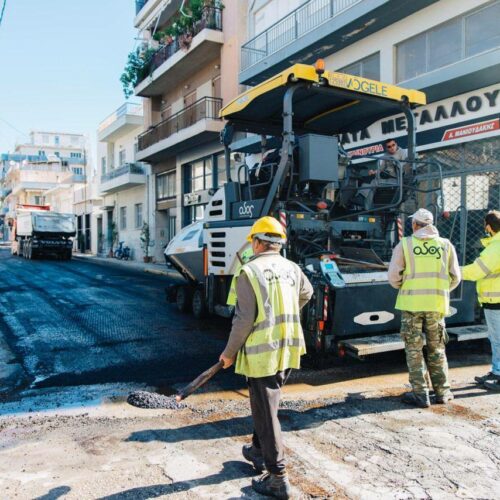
(351, 439)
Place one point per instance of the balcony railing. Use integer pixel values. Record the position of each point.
(211, 19)
(127, 168)
(125, 109)
(139, 4)
(206, 107)
(302, 20)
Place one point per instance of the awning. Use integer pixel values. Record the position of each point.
(333, 104)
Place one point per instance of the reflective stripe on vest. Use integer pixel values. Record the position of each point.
(426, 281)
(276, 341)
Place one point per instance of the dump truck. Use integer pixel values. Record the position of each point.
(37, 232)
(306, 180)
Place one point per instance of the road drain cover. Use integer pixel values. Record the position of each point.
(152, 400)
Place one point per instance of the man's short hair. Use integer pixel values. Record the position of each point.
(268, 245)
(492, 219)
(387, 141)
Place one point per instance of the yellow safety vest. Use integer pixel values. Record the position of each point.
(426, 278)
(276, 341)
(486, 271)
(245, 257)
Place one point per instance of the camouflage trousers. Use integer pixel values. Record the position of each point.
(413, 326)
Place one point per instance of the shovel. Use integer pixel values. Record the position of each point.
(198, 381)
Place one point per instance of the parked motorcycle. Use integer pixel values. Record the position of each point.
(122, 252)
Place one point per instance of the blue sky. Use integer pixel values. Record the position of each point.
(61, 62)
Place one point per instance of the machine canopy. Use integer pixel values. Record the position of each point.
(330, 104)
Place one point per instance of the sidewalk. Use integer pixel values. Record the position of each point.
(152, 268)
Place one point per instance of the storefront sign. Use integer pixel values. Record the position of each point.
(192, 199)
(466, 117)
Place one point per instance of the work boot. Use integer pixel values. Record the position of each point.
(484, 378)
(254, 455)
(444, 398)
(273, 485)
(419, 400)
(493, 385)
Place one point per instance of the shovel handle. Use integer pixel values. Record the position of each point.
(199, 381)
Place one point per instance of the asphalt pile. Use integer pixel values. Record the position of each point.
(153, 401)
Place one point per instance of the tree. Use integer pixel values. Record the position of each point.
(146, 241)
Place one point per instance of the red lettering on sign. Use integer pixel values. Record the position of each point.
(477, 128)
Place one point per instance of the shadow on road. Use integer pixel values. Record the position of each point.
(294, 420)
(230, 470)
(54, 493)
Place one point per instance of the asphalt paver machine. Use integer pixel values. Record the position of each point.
(306, 180)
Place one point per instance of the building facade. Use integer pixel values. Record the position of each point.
(448, 49)
(44, 171)
(124, 183)
(186, 81)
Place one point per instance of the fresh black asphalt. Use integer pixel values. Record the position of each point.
(80, 322)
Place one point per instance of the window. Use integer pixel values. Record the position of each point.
(195, 213)
(369, 67)
(198, 175)
(221, 169)
(216, 88)
(56, 140)
(121, 157)
(171, 223)
(45, 138)
(165, 185)
(41, 152)
(103, 165)
(58, 154)
(123, 218)
(77, 170)
(39, 200)
(462, 37)
(75, 155)
(138, 215)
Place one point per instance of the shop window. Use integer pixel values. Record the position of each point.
(198, 175)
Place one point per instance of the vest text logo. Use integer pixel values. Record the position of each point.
(428, 250)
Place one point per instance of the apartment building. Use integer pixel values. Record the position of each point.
(43, 171)
(124, 183)
(449, 49)
(185, 82)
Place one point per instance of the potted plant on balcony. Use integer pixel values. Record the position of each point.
(135, 69)
(146, 241)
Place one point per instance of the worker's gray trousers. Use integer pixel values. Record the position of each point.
(265, 395)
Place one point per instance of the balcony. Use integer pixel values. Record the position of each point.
(127, 176)
(318, 28)
(123, 120)
(139, 4)
(194, 125)
(171, 64)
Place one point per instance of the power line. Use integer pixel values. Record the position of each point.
(14, 128)
(3, 10)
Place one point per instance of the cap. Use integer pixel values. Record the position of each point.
(423, 216)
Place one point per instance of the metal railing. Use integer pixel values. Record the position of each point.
(211, 19)
(127, 108)
(287, 30)
(139, 4)
(206, 107)
(127, 168)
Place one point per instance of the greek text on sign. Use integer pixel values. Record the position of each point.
(477, 128)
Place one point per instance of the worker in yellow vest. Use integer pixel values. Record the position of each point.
(486, 271)
(424, 267)
(245, 256)
(267, 341)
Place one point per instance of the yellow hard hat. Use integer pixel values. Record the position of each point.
(268, 229)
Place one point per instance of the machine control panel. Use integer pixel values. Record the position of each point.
(331, 272)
